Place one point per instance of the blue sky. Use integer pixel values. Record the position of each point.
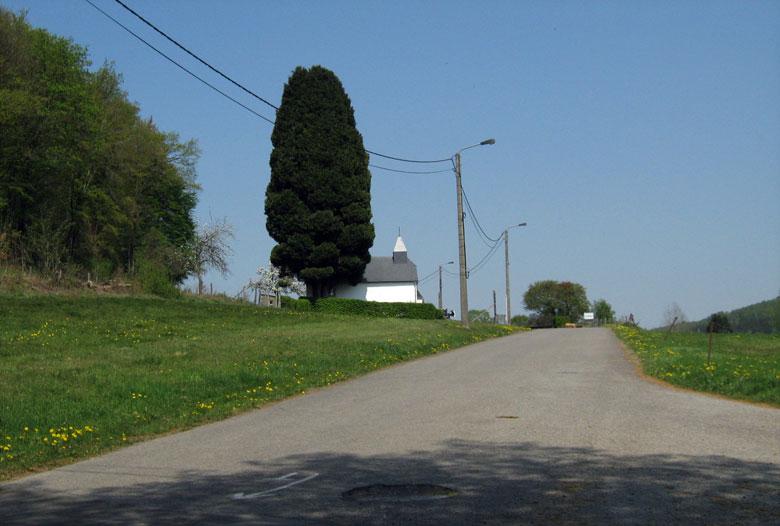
(639, 140)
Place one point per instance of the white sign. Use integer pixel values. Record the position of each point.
(588, 316)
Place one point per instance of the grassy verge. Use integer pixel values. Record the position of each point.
(81, 375)
(743, 366)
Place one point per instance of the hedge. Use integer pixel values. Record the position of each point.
(300, 304)
(419, 311)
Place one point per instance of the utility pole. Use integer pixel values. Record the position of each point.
(464, 299)
(440, 306)
(495, 313)
(464, 294)
(506, 269)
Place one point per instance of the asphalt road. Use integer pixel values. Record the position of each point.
(548, 427)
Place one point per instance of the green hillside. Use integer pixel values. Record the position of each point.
(82, 374)
(759, 317)
(740, 366)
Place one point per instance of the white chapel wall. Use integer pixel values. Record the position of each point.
(388, 292)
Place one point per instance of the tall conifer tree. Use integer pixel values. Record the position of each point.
(318, 201)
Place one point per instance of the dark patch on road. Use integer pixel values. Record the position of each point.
(398, 492)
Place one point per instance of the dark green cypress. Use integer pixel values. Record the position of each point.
(318, 201)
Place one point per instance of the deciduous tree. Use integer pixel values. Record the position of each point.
(84, 180)
(719, 322)
(269, 280)
(551, 299)
(674, 315)
(210, 250)
(603, 311)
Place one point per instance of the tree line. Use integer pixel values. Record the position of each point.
(554, 304)
(762, 317)
(86, 183)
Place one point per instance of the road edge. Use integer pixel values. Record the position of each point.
(634, 360)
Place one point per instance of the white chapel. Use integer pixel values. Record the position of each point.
(386, 278)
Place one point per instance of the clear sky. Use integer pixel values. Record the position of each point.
(639, 140)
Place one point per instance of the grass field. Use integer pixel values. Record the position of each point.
(85, 374)
(743, 366)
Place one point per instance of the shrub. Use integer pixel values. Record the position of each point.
(103, 270)
(560, 321)
(540, 321)
(419, 311)
(299, 304)
(154, 279)
(719, 322)
(520, 320)
(480, 316)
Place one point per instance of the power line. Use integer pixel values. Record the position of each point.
(169, 59)
(429, 275)
(480, 236)
(226, 77)
(484, 260)
(409, 171)
(193, 55)
(448, 159)
(476, 221)
(426, 278)
(424, 282)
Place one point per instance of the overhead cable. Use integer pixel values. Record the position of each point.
(229, 79)
(424, 282)
(448, 159)
(484, 260)
(193, 55)
(476, 221)
(426, 278)
(169, 59)
(480, 235)
(409, 171)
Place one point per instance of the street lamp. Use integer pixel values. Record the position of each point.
(506, 268)
(440, 268)
(464, 295)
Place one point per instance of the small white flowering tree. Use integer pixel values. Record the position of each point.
(210, 249)
(270, 281)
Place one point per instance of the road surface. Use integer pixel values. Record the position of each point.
(548, 427)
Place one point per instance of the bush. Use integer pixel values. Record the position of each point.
(719, 322)
(154, 279)
(103, 270)
(540, 321)
(520, 320)
(300, 304)
(560, 321)
(419, 311)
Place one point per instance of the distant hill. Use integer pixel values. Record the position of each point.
(759, 317)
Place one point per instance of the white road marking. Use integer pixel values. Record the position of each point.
(243, 496)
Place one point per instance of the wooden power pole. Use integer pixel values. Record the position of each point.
(464, 294)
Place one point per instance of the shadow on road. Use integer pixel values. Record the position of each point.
(495, 484)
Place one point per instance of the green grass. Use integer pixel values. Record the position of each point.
(85, 374)
(743, 366)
